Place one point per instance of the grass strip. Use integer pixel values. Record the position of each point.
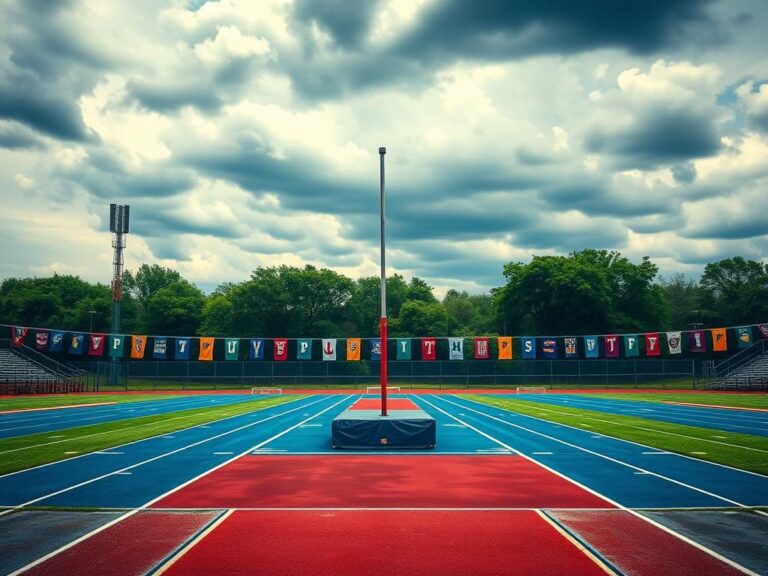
(74, 399)
(742, 451)
(24, 452)
(751, 400)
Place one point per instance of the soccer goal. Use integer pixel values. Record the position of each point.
(266, 391)
(377, 389)
(531, 390)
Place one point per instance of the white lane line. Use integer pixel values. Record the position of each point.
(312, 426)
(194, 542)
(542, 453)
(146, 505)
(154, 458)
(576, 543)
(223, 453)
(451, 425)
(108, 453)
(656, 452)
(591, 491)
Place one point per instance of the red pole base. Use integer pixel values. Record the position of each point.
(383, 332)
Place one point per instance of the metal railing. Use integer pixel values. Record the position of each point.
(740, 359)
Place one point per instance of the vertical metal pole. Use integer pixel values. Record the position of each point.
(383, 322)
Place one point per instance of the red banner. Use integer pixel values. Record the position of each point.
(280, 349)
(18, 334)
(96, 347)
(611, 346)
(482, 348)
(653, 344)
(428, 349)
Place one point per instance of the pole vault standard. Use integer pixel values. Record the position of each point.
(383, 322)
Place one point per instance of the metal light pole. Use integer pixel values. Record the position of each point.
(383, 322)
(90, 325)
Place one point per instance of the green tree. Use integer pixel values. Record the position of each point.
(175, 310)
(683, 301)
(471, 314)
(419, 318)
(735, 291)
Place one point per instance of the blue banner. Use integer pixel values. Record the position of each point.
(76, 344)
(591, 348)
(570, 348)
(528, 346)
(631, 345)
(160, 349)
(549, 348)
(304, 349)
(256, 349)
(744, 336)
(56, 342)
(375, 348)
(181, 350)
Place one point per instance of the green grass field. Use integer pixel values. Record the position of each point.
(32, 450)
(738, 400)
(26, 402)
(742, 451)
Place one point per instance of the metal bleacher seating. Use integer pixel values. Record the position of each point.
(749, 375)
(20, 375)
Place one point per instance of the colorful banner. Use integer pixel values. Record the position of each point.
(428, 349)
(375, 348)
(591, 348)
(697, 341)
(138, 344)
(96, 344)
(18, 334)
(116, 346)
(181, 349)
(76, 344)
(353, 349)
(611, 346)
(256, 349)
(549, 348)
(329, 349)
(280, 349)
(56, 343)
(232, 349)
(744, 336)
(505, 347)
(570, 348)
(206, 349)
(41, 339)
(763, 328)
(631, 345)
(482, 348)
(653, 344)
(304, 349)
(674, 342)
(403, 348)
(528, 346)
(160, 348)
(719, 340)
(456, 348)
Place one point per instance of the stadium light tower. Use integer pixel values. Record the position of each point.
(118, 225)
(383, 322)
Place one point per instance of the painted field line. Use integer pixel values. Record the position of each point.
(642, 428)
(56, 407)
(605, 456)
(153, 459)
(744, 408)
(206, 425)
(145, 506)
(585, 549)
(607, 499)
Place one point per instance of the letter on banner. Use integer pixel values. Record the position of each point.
(232, 349)
(719, 340)
(674, 342)
(304, 349)
(256, 350)
(181, 349)
(456, 348)
(96, 347)
(280, 351)
(591, 349)
(404, 349)
(428, 349)
(329, 349)
(697, 341)
(138, 345)
(206, 349)
(528, 345)
(116, 345)
(505, 347)
(482, 348)
(653, 344)
(353, 349)
(611, 346)
(631, 345)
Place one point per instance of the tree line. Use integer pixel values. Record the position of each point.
(589, 291)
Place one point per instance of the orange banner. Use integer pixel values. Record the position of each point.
(719, 340)
(505, 347)
(206, 349)
(353, 349)
(138, 345)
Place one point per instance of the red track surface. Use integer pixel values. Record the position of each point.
(133, 546)
(392, 404)
(363, 481)
(637, 547)
(376, 543)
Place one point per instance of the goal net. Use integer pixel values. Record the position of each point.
(266, 391)
(377, 389)
(531, 390)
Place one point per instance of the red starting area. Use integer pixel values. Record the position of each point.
(392, 404)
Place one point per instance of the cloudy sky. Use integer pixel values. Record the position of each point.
(246, 134)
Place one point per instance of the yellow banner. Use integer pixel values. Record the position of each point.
(138, 345)
(206, 349)
(719, 340)
(353, 349)
(505, 347)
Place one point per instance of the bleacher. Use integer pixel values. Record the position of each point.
(750, 375)
(20, 375)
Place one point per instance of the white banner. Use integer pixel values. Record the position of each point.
(329, 348)
(675, 342)
(456, 348)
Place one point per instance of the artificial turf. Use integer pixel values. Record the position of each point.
(737, 400)
(742, 451)
(23, 452)
(26, 402)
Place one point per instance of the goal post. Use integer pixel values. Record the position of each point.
(377, 389)
(531, 390)
(263, 391)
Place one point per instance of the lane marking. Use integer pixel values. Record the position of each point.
(656, 452)
(168, 562)
(582, 547)
(108, 453)
(223, 453)
(542, 453)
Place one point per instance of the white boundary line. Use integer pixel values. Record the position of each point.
(591, 491)
(203, 425)
(154, 458)
(146, 505)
